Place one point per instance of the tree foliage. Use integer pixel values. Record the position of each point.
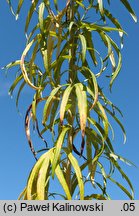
(63, 63)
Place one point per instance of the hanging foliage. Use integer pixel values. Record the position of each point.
(75, 110)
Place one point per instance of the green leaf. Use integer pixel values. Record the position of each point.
(100, 3)
(58, 147)
(30, 13)
(40, 16)
(32, 181)
(122, 188)
(48, 104)
(11, 64)
(22, 64)
(95, 84)
(95, 196)
(64, 101)
(22, 194)
(93, 159)
(10, 5)
(116, 23)
(78, 172)
(34, 106)
(118, 121)
(43, 177)
(104, 176)
(129, 8)
(15, 83)
(20, 3)
(63, 182)
(123, 175)
(101, 113)
(90, 45)
(19, 92)
(117, 70)
(116, 157)
(84, 46)
(56, 5)
(82, 105)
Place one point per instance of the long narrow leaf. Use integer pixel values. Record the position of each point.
(58, 146)
(30, 13)
(84, 46)
(64, 102)
(82, 105)
(129, 8)
(118, 121)
(48, 104)
(32, 181)
(43, 175)
(19, 8)
(77, 169)
(122, 188)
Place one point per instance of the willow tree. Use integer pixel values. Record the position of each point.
(62, 64)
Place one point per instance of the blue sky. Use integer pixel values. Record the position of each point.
(16, 159)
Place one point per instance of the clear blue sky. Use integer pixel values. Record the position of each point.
(16, 159)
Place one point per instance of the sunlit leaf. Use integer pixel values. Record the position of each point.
(48, 104)
(95, 84)
(90, 45)
(83, 42)
(82, 105)
(32, 181)
(64, 101)
(43, 176)
(30, 13)
(19, 8)
(129, 8)
(118, 121)
(95, 196)
(58, 147)
(77, 169)
(63, 182)
(122, 188)
(40, 16)
(100, 3)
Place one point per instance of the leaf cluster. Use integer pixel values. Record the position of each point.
(65, 42)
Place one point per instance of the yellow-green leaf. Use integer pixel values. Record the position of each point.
(22, 64)
(30, 13)
(32, 181)
(82, 105)
(93, 79)
(64, 101)
(129, 8)
(40, 16)
(43, 176)
(78, 172)
(100, 3)
(58, 146)
(48, 104)
(84, 47)
(19, 8)
(63, 182)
